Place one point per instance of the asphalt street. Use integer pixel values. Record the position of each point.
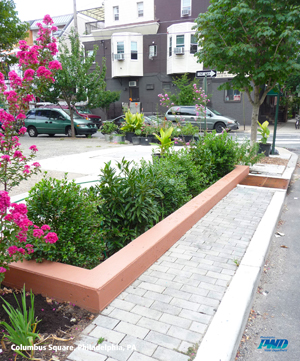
(275, 311)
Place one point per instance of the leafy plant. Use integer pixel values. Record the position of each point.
(22, 330)
(165, 142)
(72, 214)
(129, 203)
(264, 131)
(108, 128)
(133, 122)
(217, 155)
(189, 129)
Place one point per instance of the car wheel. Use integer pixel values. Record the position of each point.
(51, 135)
(69, 132)
(219, 127)
(32, 132)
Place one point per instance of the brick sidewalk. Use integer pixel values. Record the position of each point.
(169, 307)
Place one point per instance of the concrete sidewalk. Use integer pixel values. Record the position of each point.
(198, 292)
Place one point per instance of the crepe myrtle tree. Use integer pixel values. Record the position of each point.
(257, 40)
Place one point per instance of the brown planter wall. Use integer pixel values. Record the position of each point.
(95, 289)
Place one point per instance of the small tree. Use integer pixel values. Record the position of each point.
(186, 93)
(77, 82)
(257, 40)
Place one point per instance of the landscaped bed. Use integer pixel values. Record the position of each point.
(134, 210)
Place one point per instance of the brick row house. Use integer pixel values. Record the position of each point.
(147, 43)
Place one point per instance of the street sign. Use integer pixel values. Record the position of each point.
(208, 73)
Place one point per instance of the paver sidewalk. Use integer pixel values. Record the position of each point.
(169, 307)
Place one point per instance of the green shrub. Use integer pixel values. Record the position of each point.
(217, 155)
(72, 214)
(129, 203)
(108, 128)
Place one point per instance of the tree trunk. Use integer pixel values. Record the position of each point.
(255, 112)
(254, 119)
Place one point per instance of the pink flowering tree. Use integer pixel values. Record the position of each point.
(38, 68)
(16, 232)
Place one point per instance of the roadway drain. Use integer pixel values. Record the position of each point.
(267, 182)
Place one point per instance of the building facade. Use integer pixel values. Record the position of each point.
(148, 43)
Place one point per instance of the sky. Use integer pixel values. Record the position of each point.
(36, 9)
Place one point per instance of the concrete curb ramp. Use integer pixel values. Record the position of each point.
(95, 289)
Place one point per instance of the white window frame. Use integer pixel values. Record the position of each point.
(193, 44)
(186, 5)
(120, 43)
(140, 9)
(234, 94)
(152, 51)
(116, 13)
(134, 51)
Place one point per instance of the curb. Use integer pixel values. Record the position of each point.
(229, 322)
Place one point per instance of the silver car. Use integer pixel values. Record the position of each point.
(213, 120)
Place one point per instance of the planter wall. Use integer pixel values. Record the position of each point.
(95, 289)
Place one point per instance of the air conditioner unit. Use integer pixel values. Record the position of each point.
(132, 83)
(186, 12)
(119, 56)
(179, 51)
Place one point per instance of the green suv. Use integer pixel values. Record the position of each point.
(56, 121)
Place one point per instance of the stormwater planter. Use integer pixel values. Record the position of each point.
(95, 289)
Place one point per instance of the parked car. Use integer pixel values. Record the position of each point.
(150, 120)
(80, 110)
(56, 121)
(214, 119)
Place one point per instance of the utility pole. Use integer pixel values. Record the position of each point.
(75, 16)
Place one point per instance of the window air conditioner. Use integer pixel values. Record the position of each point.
(186, 12)
(179, 51)
(119, 56)
(132, 83)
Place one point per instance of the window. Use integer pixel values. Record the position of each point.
(180, 41)
(232, 95)
(120, 47)
(170, 46)
(116, 12)
(140, 9)
(185, 7)
(134, 53)
(152, 51)
(90, 53)
(179, 50)
(193, 48)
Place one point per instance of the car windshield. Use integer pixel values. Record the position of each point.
(84, 110)
(75, 115)
(214, 111)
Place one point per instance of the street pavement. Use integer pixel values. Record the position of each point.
(201, 290)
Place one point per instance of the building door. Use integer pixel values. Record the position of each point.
(134, 94)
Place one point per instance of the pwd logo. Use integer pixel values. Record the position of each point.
(273, 344)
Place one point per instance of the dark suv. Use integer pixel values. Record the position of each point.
(56, 121)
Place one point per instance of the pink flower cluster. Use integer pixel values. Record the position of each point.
(14, 218)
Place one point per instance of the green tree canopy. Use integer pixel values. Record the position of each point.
(257, 40)
(11, 31)
(81, 79)
(185, 91)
